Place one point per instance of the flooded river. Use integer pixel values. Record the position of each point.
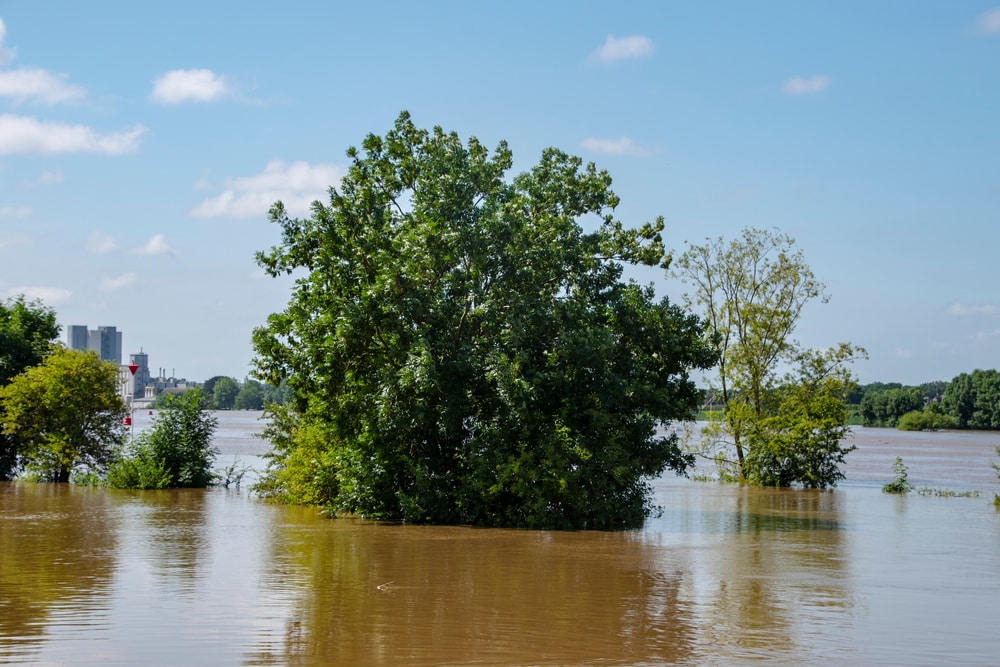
(726, 576)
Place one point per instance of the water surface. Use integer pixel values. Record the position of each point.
(726, 576)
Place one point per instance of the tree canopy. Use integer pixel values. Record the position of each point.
(974, 399)
(463, 348)
(65, 413)
(224, 392)
(777, 430)
(251, 396)
(27, 329)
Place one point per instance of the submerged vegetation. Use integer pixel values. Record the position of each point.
(899, 484)
(176, 452)
(773, 430)
(463, 348)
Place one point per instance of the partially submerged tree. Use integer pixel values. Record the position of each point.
(224, 393)
(27, 329)
(776, 430)
(973, 399)
(65, 413)
(251, 396)
(176, 452)
(467, 349)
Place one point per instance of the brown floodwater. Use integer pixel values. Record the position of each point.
(725, 576)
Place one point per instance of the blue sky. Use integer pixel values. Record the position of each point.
(142, 143)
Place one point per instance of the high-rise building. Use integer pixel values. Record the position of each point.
(106, 341)
(76, 337)
(141, 377)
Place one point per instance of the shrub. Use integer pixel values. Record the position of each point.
(925, 420)
(899, 484)
(176, 452)
(138, 470)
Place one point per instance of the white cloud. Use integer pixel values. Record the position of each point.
(50, 296)
(900, 353)
(24, 134)
(188, 85)
(38, 85)
(985, 336)
(6, 55)
(15, 211)
(965, 309)
(619, 146)
(989, 22)
(801, 86)
(47, 177)
(100, 243)
(117, 283)
(623, 48)
(156, 245)
(296, 185)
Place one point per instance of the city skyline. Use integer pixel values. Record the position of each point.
(140, 150)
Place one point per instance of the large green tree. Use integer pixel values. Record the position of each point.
(974, 399)
(65, 413)
(466, 346)
(224, 392)
(250, 397)
(27, 329)
(776, 430)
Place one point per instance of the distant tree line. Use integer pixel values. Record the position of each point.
(969, 401)
(226, 393)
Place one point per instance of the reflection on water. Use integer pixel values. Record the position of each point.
(58, 552)
(726, 575)
(417, 595)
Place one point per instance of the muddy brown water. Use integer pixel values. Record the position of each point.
(725, 576)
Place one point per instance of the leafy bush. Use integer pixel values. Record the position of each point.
(138, 470)
(926, 420)
(301, 469)
(176, 452)
(900, 483)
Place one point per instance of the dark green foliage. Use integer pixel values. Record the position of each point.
(208, 389)
(933, 391)
(224, 393)
(176, 452)
(899, 484)
(27, 329)
(884, 408)
(462, 351)
(250, 396)
(974, 400)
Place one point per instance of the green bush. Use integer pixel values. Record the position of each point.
(926, 420)
(176, 452)
(138, 470)
(900, 483)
